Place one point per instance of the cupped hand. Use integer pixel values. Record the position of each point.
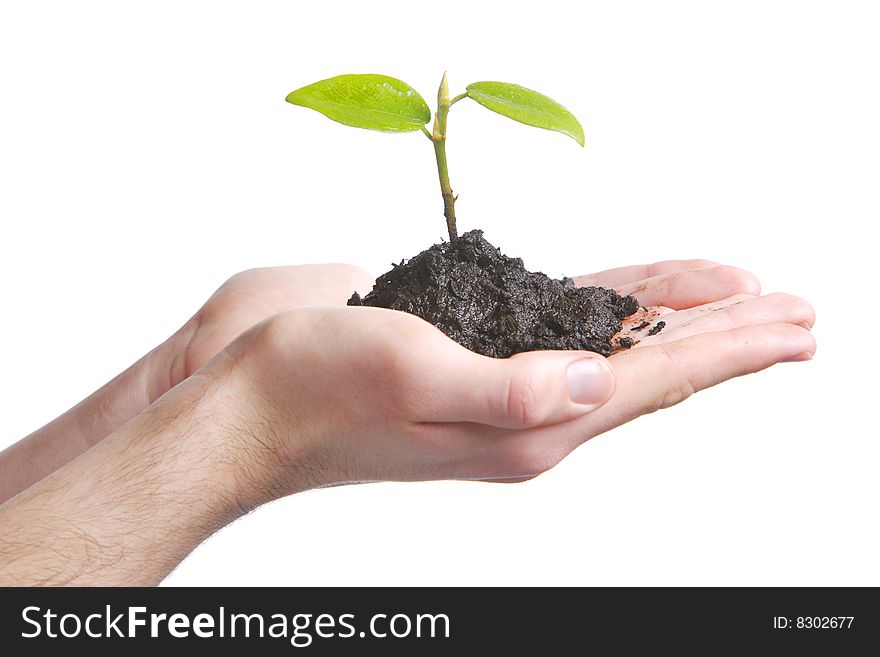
(244, 300)
(339, 395)
(326, 395)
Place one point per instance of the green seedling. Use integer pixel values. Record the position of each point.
(379, 102)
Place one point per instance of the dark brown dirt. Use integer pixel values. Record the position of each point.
(659, 326)
(493, 305)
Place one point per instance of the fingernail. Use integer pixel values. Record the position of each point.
(589, 381)
(799, 357)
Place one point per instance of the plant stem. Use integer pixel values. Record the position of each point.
(445, 188)
(457, 98)
(439, 139)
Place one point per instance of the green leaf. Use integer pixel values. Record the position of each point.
(370, 101)
(526, 106)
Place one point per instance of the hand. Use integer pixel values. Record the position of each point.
(241, 302)
(321, 396)
(362, 394)
(253, 295)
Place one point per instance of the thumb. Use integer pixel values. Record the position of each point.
(526, 390)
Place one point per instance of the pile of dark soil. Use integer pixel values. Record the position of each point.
(493, 305)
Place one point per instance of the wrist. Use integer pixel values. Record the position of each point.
(258, 447)
(94, 418)
(137, 503)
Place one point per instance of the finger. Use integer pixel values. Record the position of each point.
(662, 375)
(526, 390)
(686, 289)
(432, 379)
(632, 274)
(642, 326)
(733, 313)
(648, 379)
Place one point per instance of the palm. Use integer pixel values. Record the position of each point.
(692, 297)
(716, 328)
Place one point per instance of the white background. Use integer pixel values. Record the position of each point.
(146, 154)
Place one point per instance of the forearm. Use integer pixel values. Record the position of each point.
(129, 509)
(66, 437)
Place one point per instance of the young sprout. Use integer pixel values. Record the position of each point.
(379, 102)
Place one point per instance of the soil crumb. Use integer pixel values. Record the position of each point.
(493, 305)
(659, 326)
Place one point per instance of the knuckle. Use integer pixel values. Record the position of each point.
(355, 275)
(347, 277)
(674, 394)
(521, 401)
(798, 310)
(244, 276)
(679, 386)
(274, 333)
